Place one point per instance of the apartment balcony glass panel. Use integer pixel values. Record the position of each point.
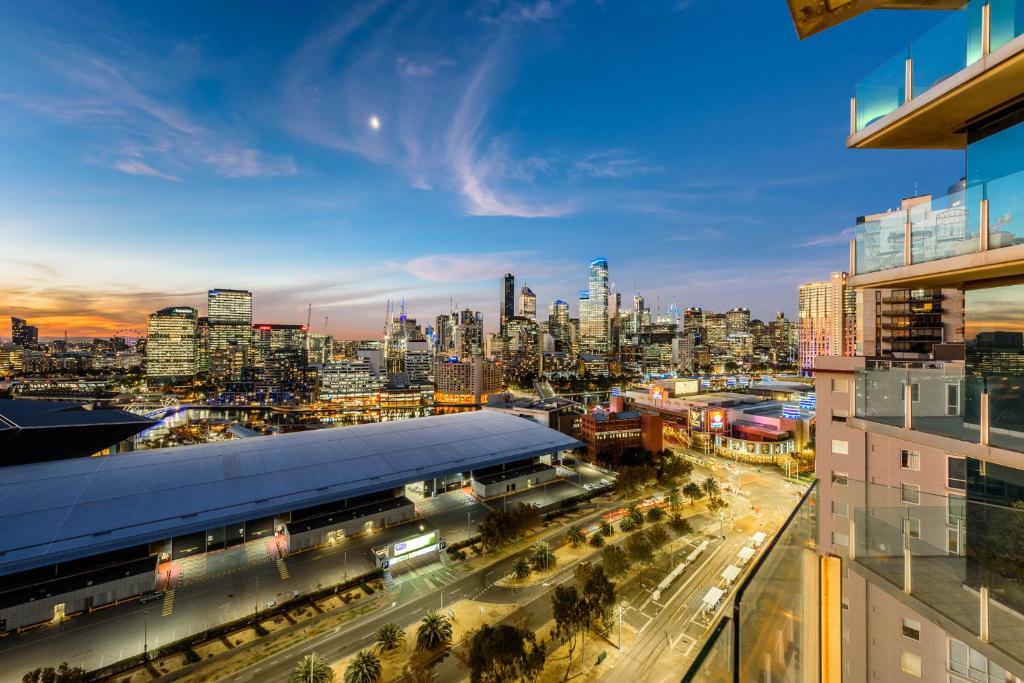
(881, 92)
(1007, 21)
(880, 243)
(940, 53)
(953, 558)
(941, 228)
(772, 633)
(995, 171)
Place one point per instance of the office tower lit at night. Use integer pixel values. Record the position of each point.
(527, 303)
(229, 314)
(171, 346)
(23, 334)
(558, 325)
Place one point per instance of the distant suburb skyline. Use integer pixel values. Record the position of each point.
(353, 153)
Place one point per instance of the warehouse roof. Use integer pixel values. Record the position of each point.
(55, 511)
(31, 414)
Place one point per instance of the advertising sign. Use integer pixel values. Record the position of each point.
(412, 544)
(696, 420)
(717, 420)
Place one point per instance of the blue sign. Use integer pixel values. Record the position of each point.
(791, 412)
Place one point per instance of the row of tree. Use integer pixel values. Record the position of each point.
(499, 527)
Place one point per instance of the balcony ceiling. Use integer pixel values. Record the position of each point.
(814, 16)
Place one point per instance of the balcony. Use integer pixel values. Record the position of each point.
(962, 559)
(967, 230)
(969, 64)
(941, 399)
(771, 632)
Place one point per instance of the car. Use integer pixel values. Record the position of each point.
(606, 482)
(150, 596)
(271, 604)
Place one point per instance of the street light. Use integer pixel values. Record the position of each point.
(145, 634)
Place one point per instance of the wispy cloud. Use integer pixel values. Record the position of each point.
(827, 239)
(136, 167)
(614, 163)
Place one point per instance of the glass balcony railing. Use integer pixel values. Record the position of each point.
(943, 227)
(945, 401)
(962, 558)
(955, 43)
(771, 632)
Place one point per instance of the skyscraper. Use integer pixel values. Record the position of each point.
(826, 314)
(558, 325)
(23, 334)
(506, 300)
(594, 324)
(171, 349)
(527, 303)
(229, 314)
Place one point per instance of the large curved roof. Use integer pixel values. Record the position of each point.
(56, 511)
(812, 16)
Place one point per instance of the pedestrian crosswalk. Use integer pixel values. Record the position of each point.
(282, 568)
(168, 608)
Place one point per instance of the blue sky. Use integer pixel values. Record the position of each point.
(150, 151)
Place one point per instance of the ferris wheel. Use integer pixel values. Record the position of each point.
(131, 337)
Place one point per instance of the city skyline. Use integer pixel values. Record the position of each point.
(365, 158)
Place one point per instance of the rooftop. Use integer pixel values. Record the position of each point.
(54, 511)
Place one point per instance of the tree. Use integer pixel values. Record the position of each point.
(364, 668)
(596, 541)
(570, 612)
(680, 525)
(600, 594)
(614, 561)
(655, 515)
(576, 536)
(62, 674)
(390, 637)
(314, 667)
(435, 632)
(582, 573)
(521, 568)
(657, 536)
(674, 471)
(626, 524)
(503, 654)
(639, 548)
(675, 499)
(541, 556)
(606, 528)
(710, 487)
(635, 514)
(499, 527)
(693, 491)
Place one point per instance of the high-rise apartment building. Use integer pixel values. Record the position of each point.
(827, 316)
(527, 303)
(506, 300)
(24, 335)
(171, 345)
(737, 321)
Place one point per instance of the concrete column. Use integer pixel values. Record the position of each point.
(985, 417)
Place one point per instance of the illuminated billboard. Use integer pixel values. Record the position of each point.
(696, 420)
(413, 544)
(716, 420)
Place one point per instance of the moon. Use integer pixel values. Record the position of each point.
(374, 122)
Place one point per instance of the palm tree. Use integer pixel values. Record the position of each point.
(636, 515)
(314, 667)
(390, 637)
(435, 631)
(541, 556)
(606, 528)
(626, 524)
(693, 491)
(710, 487)
(364, 668)
(521, 568)
(655, 515)
(597, 540)
(675, 499)
(576, 536)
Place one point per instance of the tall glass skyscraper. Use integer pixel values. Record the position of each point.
(171, 354)
(558, 324)
(527, 303)
(595, 323)
(506, 299)
(230, 328)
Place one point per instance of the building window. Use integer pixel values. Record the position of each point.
(910, 493)
(840, 447)
(911, 629)
(841, 385)
(915, 392)
(840, 508)
(914, 527)
(956, 469)
(840, 478)
(974, 665)
(910, 663)
(910, 460)
(841, 539)
(840, 415)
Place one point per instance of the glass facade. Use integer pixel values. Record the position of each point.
(995, 171)
(772, 633)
